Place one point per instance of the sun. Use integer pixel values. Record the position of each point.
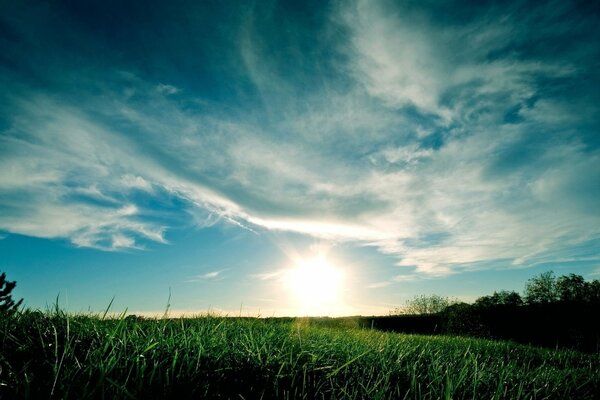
(315, 287)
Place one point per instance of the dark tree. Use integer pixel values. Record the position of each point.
(572, 288)
(7, 304)
(541, 289)
(463, 318)
(501, 298)
(593, 292)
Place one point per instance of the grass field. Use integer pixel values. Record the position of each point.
(55, 355)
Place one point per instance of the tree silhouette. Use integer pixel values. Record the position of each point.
(501, 298)
(7, 304)
(541, 289)
(593, 292)
(572, 288)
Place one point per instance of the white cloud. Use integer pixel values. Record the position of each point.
(307, 189)
(407, 155)
(344, 164)
(402, 57)
(397, 62)
(207, 276)
(210, 275)
(378, 285)
(166, 89)
(135, 182)
(265, 276)
(122, 241)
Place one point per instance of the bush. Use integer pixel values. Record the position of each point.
(423, 305)
(7, 304)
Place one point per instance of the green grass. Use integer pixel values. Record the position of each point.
(44, 355)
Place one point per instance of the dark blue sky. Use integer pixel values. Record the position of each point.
(206, 147)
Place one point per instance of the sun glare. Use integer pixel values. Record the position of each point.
(315, 287)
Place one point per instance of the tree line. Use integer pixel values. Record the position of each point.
(545, 288)
(553, 312)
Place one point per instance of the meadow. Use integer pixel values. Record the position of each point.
(59, 355)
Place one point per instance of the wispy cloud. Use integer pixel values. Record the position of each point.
(166, 89)
(405, 278)
(266, 276)
(435, 141)
(210, 275)
(207, 276)
(378, 285)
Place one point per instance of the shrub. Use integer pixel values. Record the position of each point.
(7, 304)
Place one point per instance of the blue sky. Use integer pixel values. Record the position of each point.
(205, 147)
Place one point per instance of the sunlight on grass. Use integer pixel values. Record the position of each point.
(58, 355)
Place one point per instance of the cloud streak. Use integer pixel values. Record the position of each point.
(208, 276)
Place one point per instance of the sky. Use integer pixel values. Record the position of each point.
(191, 154)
